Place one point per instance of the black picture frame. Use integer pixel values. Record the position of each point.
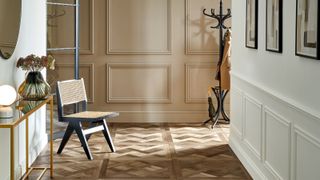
(309, 15)
(274, 21)
(252, 24)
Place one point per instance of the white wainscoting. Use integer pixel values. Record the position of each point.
(306, 155)
(274, 138)
(237, 101)
(252, 118)
(277, 163)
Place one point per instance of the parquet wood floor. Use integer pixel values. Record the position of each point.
(150, 152)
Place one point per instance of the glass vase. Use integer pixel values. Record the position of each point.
(34, 87)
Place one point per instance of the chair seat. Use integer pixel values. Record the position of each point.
(93, 115)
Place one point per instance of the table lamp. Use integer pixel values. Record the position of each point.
(8, 95)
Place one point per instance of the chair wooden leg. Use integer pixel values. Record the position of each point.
(66, 137)
(83, 140)
(107, 135)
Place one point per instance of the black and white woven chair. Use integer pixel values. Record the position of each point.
(73, 92)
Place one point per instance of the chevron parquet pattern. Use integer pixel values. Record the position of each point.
(150, 152)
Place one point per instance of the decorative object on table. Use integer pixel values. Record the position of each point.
(274, 26)
(252, 24)
(35, 87)
(307, 31)
(221, 90)
(8, 96)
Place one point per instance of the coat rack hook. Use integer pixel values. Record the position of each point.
(204, 12)
(213, 11)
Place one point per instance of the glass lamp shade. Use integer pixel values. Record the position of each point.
(7, 95)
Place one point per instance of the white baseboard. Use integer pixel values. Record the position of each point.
(250, 166)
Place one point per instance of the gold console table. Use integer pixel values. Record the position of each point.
(23, 110)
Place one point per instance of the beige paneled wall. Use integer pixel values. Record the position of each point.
(152, 60)
(153, 37)
(198, 78)
(127, 82)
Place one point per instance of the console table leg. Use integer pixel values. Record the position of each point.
(27, 145)
(12, 153)
(51, 138)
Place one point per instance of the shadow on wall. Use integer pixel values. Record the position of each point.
(207, 38)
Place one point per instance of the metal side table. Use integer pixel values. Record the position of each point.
(23, 110)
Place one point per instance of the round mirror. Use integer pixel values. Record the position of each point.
(10, 14)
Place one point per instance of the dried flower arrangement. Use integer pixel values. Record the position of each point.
(35, 87)
(34, 63)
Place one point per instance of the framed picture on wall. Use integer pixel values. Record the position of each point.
(252, 24)
(307, 31)
(274, 26)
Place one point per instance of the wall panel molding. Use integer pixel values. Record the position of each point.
(310, 160)
(91, 29)
(254, 147)
(237, 115)
(143, 83)
(89, 81)
(189, 83)
(277, 144)
(148, 49)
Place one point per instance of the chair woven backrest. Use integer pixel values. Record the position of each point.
(71, 91)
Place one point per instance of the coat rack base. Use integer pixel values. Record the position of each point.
(218, 114)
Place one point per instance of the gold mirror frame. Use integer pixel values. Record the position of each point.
(10, 18)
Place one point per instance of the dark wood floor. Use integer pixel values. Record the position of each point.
(151, 152)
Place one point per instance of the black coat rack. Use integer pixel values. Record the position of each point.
(218, 92)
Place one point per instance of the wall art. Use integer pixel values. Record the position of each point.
(252, 24)
(274, 26)
(307, 31)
